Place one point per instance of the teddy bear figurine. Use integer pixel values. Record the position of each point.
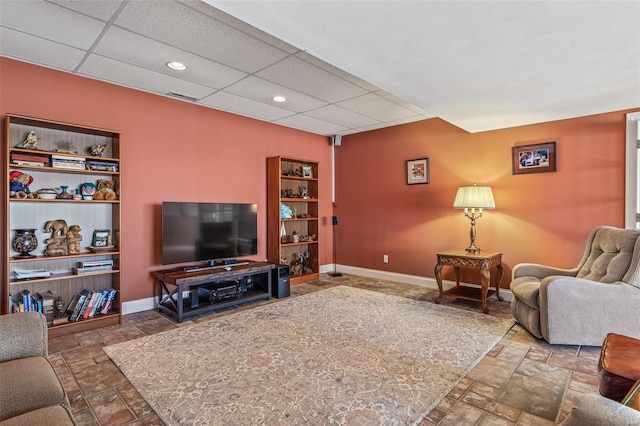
(19, 185)
(105, 190)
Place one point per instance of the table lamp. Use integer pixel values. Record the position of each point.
(472, 198)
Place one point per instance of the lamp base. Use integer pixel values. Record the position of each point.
(472, 249)
(334, 274)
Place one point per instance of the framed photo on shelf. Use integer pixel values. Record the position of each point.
(417, 171)
(101, 238)
(535, 158)
(307, 172)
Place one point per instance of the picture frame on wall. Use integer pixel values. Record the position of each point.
(418, 171)
(101, 238)
(534, 158)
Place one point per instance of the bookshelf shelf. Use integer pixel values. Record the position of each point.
(68, 147)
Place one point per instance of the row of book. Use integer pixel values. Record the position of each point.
(38, 302)
(82, 306)
(90, 303)
(62, 162)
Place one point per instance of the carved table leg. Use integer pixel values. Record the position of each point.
(439, 280)
(500, 272)
(485, 278)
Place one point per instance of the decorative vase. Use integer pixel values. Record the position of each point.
(64, 195)
(88, 189)
(24, 241)
(283, 233)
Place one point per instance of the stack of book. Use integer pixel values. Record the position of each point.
(93, 266)
(90, 303)
(29, 159)
(103, 166)
(31, 273)
(68, 162)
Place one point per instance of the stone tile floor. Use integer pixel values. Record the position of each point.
(521, 381)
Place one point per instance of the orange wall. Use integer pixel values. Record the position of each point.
(171, 151)
(542, 218)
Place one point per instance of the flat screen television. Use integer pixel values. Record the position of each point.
(208, 231)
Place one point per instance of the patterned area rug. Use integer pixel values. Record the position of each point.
(339, 356)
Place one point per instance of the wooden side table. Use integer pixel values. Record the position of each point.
(483, 262)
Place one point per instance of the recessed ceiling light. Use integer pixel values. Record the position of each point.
(178, 66)
(279, 98)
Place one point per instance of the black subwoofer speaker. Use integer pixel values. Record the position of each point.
(280, 285)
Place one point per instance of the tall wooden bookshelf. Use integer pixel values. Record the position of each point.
(293, 183)
(74, 142)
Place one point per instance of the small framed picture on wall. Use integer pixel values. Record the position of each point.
(536, 158)
(417, 171)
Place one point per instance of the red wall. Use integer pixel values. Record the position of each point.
(541, 218)
(171, 151)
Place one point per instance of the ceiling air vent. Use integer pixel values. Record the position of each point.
(181, 96)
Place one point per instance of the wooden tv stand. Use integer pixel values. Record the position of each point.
(173, 283)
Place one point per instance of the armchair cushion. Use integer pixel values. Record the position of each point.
(610, 256)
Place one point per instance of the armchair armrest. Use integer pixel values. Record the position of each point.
(572, 310)
(596, 410)
(541, 271)
(23, 335)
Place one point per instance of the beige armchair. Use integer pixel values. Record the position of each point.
(30, 392)
(580, 306)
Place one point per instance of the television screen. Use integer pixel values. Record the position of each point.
(208, 231)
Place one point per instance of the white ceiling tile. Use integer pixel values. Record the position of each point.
(234, 22)
(377, 108)
(244, 106)
(303, 77)
(37, 50)
(305, 56)
(36, 17)
(344, 117)
(128, 75)
(388, 96)
(180, 26)
(311, 124)
(262, 91)
(126, 46)
(103, 9)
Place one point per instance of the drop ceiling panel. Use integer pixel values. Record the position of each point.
(51, 22)
(111, 70)
(262, 91)
(243, 106)
(336, 71)
(341, 116)
(179, 26)
(126, 46)
(377, 108)
(220, 16)
(14, 44)
(303, 77)
(103, 9)
(311, 124)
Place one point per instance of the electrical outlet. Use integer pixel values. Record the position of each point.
(385, 258)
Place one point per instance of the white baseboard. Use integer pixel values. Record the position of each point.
(404, 278)
(152, 302)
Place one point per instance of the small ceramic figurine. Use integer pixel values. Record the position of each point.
(98, 150)
(30, 142)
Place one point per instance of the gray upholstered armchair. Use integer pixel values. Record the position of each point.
(580, 306)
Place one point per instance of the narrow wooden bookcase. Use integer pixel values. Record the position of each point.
(286, 180)
(74, 142)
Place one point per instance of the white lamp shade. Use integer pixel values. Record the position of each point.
(479, 197)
